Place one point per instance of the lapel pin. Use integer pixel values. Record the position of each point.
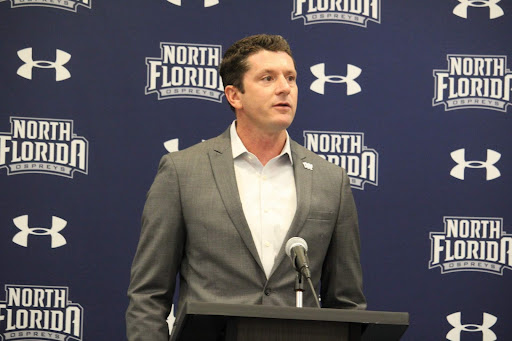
(308, 166)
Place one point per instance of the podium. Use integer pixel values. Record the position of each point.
(237, 322)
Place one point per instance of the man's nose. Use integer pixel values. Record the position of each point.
(283, 85)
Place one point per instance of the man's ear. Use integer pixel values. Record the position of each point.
(233, 96)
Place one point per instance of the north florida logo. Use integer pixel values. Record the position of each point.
(354, 12)
(186, 71)
(473, 81)
(33, 312)
(471, 244)
(68, 5)
(346, 150)
(43, 145)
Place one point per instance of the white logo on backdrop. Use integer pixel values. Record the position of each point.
(495, 11)
(172, 145)
(62, 58)
(318, 85)
(356, 13)
(459, 156)
(36, 312)
(207, 3)
(68, 5)
(487, 334)
(171, 319)
(21, 238)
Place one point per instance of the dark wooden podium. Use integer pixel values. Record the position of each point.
(236, 322)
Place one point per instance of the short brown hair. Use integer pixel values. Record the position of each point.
(234, 63)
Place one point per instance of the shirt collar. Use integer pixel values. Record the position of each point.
(238, 147)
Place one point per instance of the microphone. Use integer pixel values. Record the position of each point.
(296, 248)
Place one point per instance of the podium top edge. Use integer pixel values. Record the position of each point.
(313, 314)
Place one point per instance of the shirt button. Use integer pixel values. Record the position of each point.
(268, 291)
(267, 244)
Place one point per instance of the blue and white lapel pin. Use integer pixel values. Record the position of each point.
(308, 165)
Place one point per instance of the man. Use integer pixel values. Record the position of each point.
(220, 212)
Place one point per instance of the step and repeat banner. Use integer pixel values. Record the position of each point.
(412, 97)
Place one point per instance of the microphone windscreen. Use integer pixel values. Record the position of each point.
(295, 241)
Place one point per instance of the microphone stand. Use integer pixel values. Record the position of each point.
(299, 289)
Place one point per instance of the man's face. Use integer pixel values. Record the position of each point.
(269, 101)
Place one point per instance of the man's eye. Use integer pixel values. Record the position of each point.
(292, 78)
(267, 78)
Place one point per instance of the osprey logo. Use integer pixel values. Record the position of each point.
(68, 5)
(207, 3)
(186, 71)
(61, 73)
(43, 145)
(354, 12)
(36, 312)
(455, 321)
(348, 151)
(459, 156)
(318, 85)
(473, 81)
(495, 11)
(471, 244)
(21, 238)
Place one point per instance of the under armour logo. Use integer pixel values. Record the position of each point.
(487, 334)
(61, 73)
(21, 238)
(459, 156)
(172, 145)
(352, 73)
(207, 3)
(495, 11)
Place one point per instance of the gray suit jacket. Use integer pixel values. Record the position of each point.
(193, 224)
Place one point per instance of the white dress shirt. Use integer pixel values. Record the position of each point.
(268, 195)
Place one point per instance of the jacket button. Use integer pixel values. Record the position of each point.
(268, 291)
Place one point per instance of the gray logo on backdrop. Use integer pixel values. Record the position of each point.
(346, 150)
(35, 312)
(68, 5)
(354, 12)
(186, 71)
(43, 145)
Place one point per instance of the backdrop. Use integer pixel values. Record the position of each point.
(411, 97)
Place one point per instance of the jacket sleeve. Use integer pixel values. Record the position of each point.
(158, 257)
(342, 279)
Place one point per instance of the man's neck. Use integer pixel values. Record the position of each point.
(265, 146)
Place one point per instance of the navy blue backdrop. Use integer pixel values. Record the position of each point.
(412, 97)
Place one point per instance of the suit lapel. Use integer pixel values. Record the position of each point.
(221, 159)
(304, 185)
